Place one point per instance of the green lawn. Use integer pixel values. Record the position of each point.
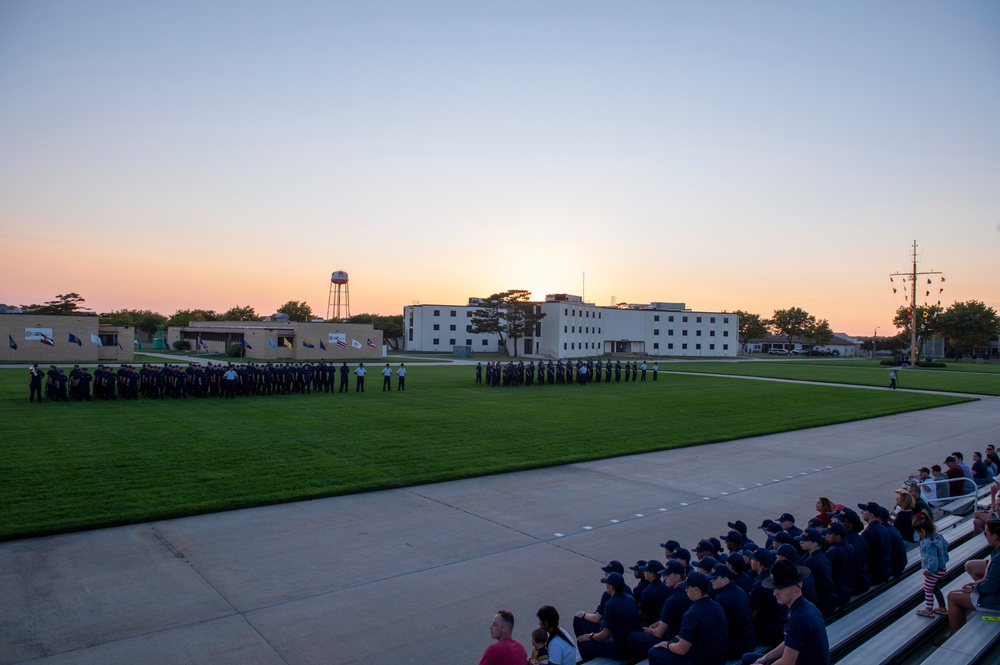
(80, 465)
(956, 377)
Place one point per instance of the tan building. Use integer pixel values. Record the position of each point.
(76, 339)
(283, 340)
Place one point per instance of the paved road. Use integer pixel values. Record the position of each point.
(414, 575)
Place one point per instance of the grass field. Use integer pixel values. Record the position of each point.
(956, 377)
(81, 465)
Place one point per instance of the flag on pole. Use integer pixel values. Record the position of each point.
(270, 343)
(356, 344)
(928, 280)
(942, 279)
(45, 339)
(245, 345)
(286, 342)
(890, 279)
(13, 344)
(96, 339)
(201, 343)
(322, 345)
(307, 344)
(342, 343)
(73, 339)
(372, 344)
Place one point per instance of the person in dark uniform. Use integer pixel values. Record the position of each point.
(34, 383)
(607, 372)
(386, 378)
(479, 372)
(618, 371)
(597, 371)
(805, 639)
(703, 636)
(656, 369)
(61, 380)
(344, 372)
(621, 617)
(359, 386)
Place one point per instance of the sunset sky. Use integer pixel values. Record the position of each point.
(729, 155)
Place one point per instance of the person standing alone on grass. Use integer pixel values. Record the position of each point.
(892, 379)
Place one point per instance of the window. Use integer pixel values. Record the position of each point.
(565, 329)
(656, 331)
(697, 333)
(437, 312)
(697, 347)
(437, 326)
(468, 328)
(453, 312)
(656, 345)
(684, 319)
(411, 334)
(564, 346)
(711, 333)
(565, 311)
(572, 346)
(656, 317)
(451, 327)
(670, 332)
(670, 319)
(725, 347)
(452, 342)
(684, 333)
(468, 314)
(574, 312)
(725, 333)
(468, 342)
(684, 347)
(670, 345)
(712, 320)
(573, 329)
(697, 320)
(435, 341)
(711, 347)
(486, 342)
(725, 319)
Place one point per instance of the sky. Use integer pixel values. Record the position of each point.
(728, 155)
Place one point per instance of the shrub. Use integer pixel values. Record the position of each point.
(927, 363)
(235, 351)
(181, 345)
(889, 362)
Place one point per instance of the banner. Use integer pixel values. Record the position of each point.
(337, 338)
(36, 334)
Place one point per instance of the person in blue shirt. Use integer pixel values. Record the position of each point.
(805, 640)
(703, 636)
(879, 543)
(621, 617)
(589, 623)
(736, 604)
(671, 614)
(654, 595)
(768, 616)
(820, 571)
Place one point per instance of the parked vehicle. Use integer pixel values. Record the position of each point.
(775, 351)
(799, 352)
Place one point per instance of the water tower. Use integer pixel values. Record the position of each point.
(338, 305)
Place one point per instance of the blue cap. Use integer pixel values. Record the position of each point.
(653, 567)
(698, 581)
(614, 567)
(616, 580)
(674, 567)
(788, 552)
(721, 570)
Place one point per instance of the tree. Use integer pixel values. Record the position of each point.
(751, 326)
(238, 313)
(183, 317)
(296, 310)
(391, 326)
(507, 315)
(969, 325)
(69, 303)
(793, 323)
(143, 320)
(927, 324)
(820, 332)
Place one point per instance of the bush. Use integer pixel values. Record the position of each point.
(927, 363)
(889, 362)
(235, 351)
(181, 345)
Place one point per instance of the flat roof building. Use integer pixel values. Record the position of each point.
(572, 328)
(57, 338)
(283, 340)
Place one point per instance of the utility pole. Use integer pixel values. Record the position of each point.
(913, 302)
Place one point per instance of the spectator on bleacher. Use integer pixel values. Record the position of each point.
(904, 514)
(991, 454)
(861, 554)
(561, 647)
(841, 558)
(982, 475)
(703, 549)
(920, 504)
(736, 604)
(703, 638)
(788, 553)
(879, 543)
(897, 548)
(926, 486)
(821, 572)
(957, 486)
(960, 459)
(733, 542)
(805, 641)
(506, 650)
(943, 488)
(669, 548)
(655, 593)
(933, 561)
(983, 593)
(684, 556)
(671, 614)
(640, 576)
(741, 527)
(621, 617)
(824, 506)
(768, 616)
(787, 524)
(589, 623)
(738, 565)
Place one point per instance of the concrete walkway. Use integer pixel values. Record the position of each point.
(415, 575)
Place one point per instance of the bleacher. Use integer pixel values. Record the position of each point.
(881, 627)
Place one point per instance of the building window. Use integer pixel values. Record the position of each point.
(468, 328)
(725, 319)
(697, 333)
(656, 345)
(452, 342)
(670, 319)
(684, 347)
(572, 346)
(411, 334)
(486, 342)
(468, 314)
(725, 333)
(437, 312)
(712, 320)
(697, 320)
(656, 331)
(711, 333)
(574, 312)
(573, 329)
(435, 341)
(684, 333)
(684, 319)
(565, 311)
(697, 347)
(437, 327)
(711, 347)
(670, 345)
(656, 317)
(725, 347)
(454, 313)
(468, 342)
(670, 332)
(565, 329)
(452, 327)
(564, 346)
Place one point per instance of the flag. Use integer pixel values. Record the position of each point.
(356, 344)
(926, 293)
(286, 342)
(45, 339)
(13, 344)
(928, 280)
(891, 280)
(306, 344)
(940, 291)
(245, 345)
(322, 345)
(942, 279)
(73, 339)
(270, 343)
(201, 343)
(96, 339)
(372, 344)
(893, 289)
(342, 343)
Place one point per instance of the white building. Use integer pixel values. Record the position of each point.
(572, 328)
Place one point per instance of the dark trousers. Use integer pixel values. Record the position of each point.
(360, 386)
(35, 390)
(401, 384)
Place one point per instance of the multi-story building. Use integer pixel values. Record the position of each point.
(572, 328)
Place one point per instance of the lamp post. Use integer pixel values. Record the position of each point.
(874, 337)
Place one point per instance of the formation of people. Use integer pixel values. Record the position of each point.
(726, 596)
(580, 372)
(223, 380)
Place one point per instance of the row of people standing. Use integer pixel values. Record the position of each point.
(550, 373)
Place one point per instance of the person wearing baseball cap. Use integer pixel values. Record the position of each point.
(733, 541)
(768, 616)
(671, 614)
(703, 636)
(736, 604)
(841, 562)
(879, 543)
(621, 617)
(787, 523)
(854, 525)
(821, 573)
(805, 639)
(655, 593)
(589, 623)
(638, 573)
